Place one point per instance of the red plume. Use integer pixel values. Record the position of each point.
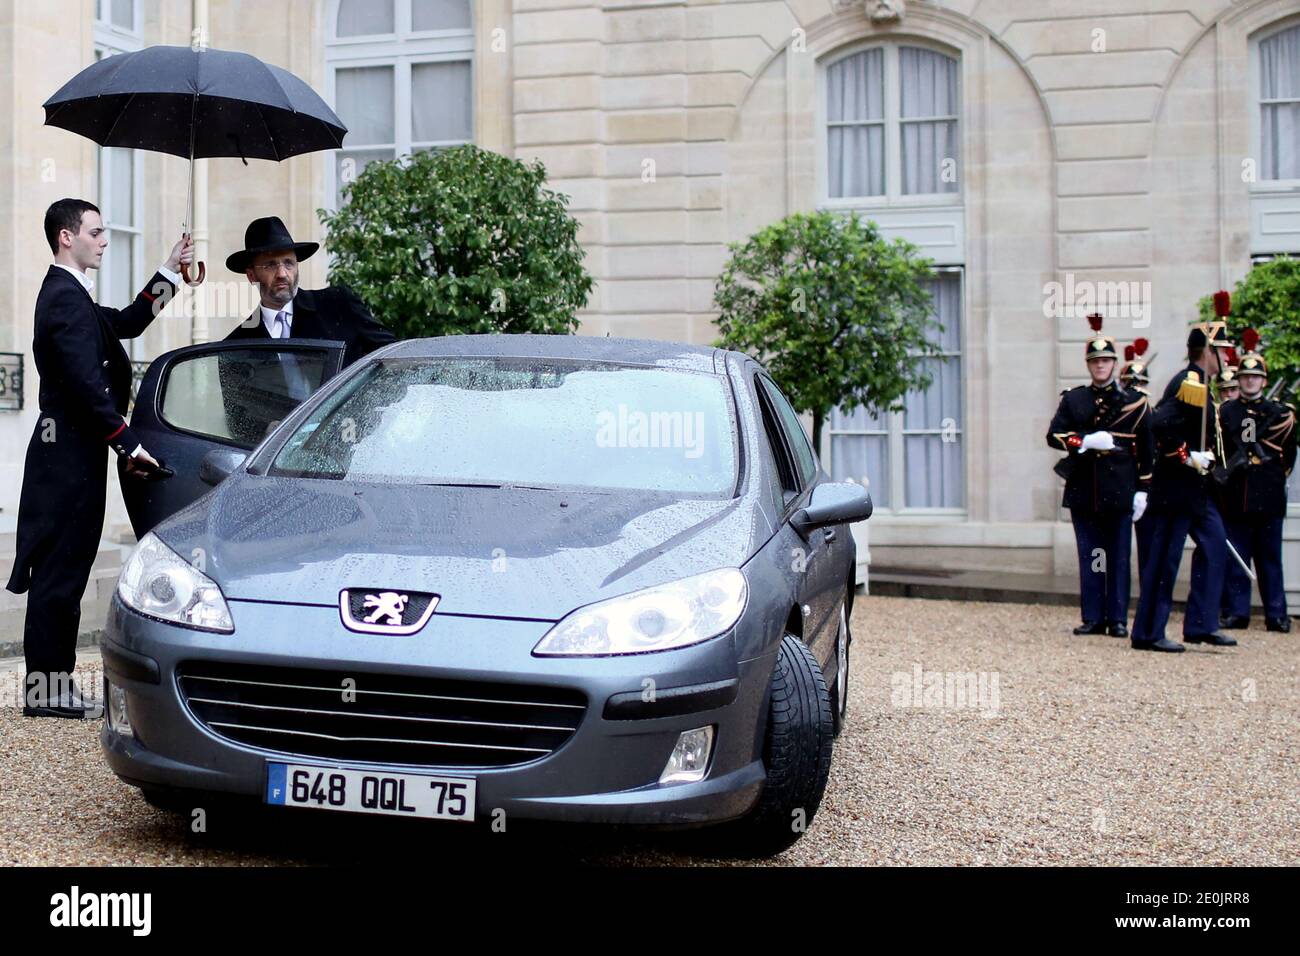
(1128, 353)
(1095, 321)
(1222, 304)
(1231, 355)
(1140, 347)
(1250, 340)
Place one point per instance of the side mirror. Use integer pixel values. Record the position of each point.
(841, 502)
(218, 465)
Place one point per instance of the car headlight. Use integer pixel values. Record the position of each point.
(156, 581)
(660, 618)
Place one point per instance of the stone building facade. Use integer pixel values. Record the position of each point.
(1051, 157)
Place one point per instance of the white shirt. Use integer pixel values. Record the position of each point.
(268, 319)
(86, 281)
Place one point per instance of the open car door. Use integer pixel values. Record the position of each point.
(219, 395)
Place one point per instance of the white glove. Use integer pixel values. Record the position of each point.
(1098, 441)
(1200, 460)
(1139, 505)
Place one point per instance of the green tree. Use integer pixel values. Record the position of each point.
(1267, 299)
(840, 317)
(457, 241)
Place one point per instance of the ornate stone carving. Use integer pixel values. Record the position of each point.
(878, 11)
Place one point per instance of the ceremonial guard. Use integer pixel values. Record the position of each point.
(1188, 446)
(1226, 383)
(1135, 375)
(1259, 444)
(1104, 429)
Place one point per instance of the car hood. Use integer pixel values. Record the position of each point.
(500, 552)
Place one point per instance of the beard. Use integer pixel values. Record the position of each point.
(281, 297)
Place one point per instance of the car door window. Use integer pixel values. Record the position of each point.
(794, 433)
(785, 467)
(235, 396)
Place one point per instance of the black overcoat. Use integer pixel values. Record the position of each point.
(85, 388)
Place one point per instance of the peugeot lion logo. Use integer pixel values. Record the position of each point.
(387, 604)
(372, 611)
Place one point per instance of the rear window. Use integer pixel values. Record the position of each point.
(505, 421)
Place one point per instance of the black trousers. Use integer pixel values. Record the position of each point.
(59, 577)
(60, 520)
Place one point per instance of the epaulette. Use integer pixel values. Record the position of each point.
(1191, 391)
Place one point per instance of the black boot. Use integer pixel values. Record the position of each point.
(1217, 639)
(1164, 644)
(1235, 623)
(1090, 627)
(56, 695)
(1280, 624)
(1118, 629)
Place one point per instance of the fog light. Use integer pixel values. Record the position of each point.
(118, 721)
(690, 758)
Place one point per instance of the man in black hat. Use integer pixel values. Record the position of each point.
(85, 388)
(1182, 502)
(270, 260)
(1104, 429)
(1259, 441)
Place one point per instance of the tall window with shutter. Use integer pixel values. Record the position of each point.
(400, 74)
(119, 174)
(892, 148)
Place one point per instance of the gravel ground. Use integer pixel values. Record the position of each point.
(1073, 750)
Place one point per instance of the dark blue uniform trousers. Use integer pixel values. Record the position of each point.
(1143, 529)
(1258, 539)
(1105, 543)
(1168, 535)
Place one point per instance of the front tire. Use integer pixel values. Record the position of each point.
(797, 746)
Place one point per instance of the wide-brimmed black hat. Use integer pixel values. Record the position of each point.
(268, 235)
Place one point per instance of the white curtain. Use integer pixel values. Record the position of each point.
(933, 462)
(363, 98)
(856, 153)
(1279, 64)
(442, 103)
(929, 89)
(359, 18)
(440, 15)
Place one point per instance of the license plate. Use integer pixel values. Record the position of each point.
(370, 791)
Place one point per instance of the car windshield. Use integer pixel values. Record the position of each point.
(513, 421)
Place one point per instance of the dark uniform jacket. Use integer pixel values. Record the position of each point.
(1103, 480)
(1257, 469)
(1177, 425)
(85, 388)
(334, 313)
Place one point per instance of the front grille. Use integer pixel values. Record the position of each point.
(380, 718)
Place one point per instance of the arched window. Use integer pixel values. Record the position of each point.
(400, 74)
(1278, 56)
(892, 129)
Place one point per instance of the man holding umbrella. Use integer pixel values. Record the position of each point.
(85, 378)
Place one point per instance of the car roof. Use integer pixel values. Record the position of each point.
(703, 358)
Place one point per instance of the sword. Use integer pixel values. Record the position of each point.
(1244, 566)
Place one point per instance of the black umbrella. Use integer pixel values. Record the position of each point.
(195, 103)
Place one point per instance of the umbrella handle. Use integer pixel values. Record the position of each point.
(203, 274)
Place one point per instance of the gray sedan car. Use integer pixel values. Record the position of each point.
(483, 578)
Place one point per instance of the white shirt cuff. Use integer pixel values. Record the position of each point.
(173, 277)
(136, 452)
